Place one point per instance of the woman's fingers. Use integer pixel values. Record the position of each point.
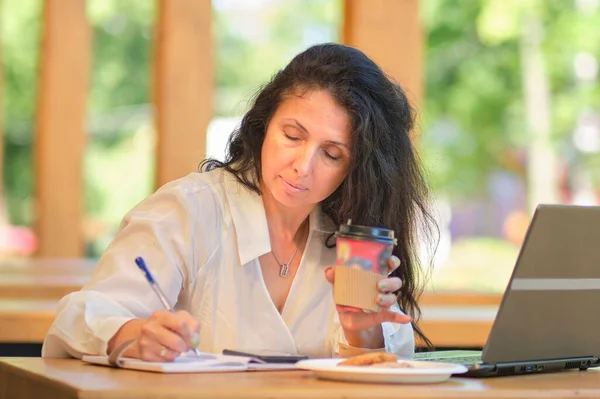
(152, 351)
(166, 335)
(389, 316)
(189, 328)
(385, 300)
(391, 284)
(354, 319)
(357, 321)
(153, 332)
(182, 324)
(330, 274)
(344, 308)
(393, 263)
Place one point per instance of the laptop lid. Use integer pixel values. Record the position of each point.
(548, 310)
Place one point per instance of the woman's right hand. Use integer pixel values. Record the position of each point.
(160, 338)
(166, 335)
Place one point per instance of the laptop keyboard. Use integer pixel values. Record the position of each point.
(454, 360)
(451, 356)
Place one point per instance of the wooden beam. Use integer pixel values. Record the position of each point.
(183, 86)
(60, 134)
(389, 31)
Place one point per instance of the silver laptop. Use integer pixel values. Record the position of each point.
(548, 319)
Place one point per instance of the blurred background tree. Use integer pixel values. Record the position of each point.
(20, 41)
(510, 120)
(251, 43)
(474, 116)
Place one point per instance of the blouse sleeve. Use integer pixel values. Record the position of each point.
(161, 229)
(399, 338)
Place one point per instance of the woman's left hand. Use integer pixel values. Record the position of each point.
(363, 329)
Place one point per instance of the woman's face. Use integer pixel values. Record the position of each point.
(306, 151)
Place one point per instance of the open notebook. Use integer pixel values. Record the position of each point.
(190, 363)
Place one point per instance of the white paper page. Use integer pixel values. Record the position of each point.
(188, 363)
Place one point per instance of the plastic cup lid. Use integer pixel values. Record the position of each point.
(358, 232)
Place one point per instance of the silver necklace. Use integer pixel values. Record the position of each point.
(283, 271)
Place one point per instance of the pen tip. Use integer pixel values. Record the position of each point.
(139, 261)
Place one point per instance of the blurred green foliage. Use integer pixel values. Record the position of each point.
(251, 44)
(473, 122)
(20, 23)
(120, 77)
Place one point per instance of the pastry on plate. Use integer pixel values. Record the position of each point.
(368, 359)
(394, 365)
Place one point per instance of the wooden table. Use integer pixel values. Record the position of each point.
(23, 378)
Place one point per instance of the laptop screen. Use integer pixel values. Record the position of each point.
(549, 307)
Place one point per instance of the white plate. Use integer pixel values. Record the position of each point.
(421, 372)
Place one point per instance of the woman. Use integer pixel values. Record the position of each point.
(326, 140)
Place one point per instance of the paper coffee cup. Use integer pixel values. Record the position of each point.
(362, 255)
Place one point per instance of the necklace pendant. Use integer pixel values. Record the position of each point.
(284, 270)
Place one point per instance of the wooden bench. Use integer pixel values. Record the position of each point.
(43, 278)
(30, 290)
(39, 286)
(458, 320)
(457, 326)
(48, 265)
(26, 320)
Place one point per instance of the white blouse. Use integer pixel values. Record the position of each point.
(201, 237)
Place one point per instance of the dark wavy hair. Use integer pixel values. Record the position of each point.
(385, 185)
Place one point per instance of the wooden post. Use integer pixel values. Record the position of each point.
(183, 86)
(60, 128)
(389, 31)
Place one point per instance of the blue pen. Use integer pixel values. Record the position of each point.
(139, 261)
